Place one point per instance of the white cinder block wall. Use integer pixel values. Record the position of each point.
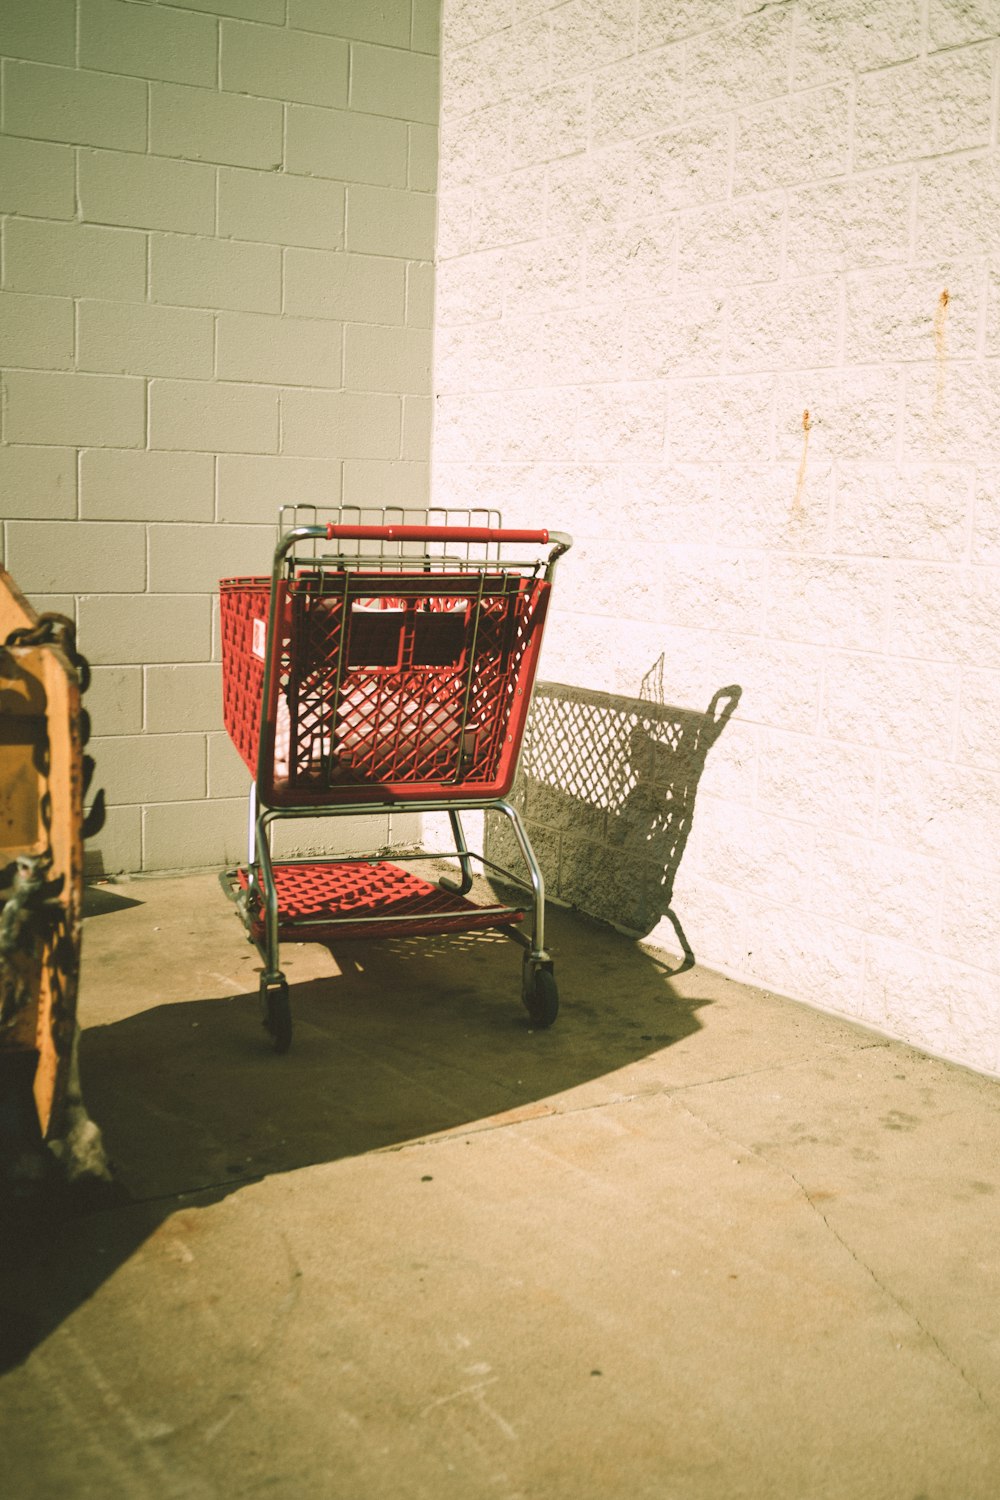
(718, 291)
(217, 246)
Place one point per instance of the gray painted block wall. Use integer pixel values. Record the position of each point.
(217, 223)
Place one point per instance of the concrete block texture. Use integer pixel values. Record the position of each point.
(64, 556)
(637, 96)
(466, 21)
(251, 487)
(979, 717)
(373, 481)
(918, 510)
(388, 22)
(846, 38)
(44, 30)
(740, 242)
(957, 203)
(133, 485)
(117, 849)
(37, 332)
(680, 168)
(285, 351)
(796, 138)
(281, 210)
(176, 296)
(38, 482)
(192, 559)
(418, 417)
(213, 417)
(380, 359)
(206, 125)
(584, 35)
(341, 424)
(37, 178)
(550, 124)
(387, 221)
(172, 766)
(717, 294)
(347, 146)
(286, 65)
(422, 160)
(394, 83)
(475, 145)
(198, 271)
(127, 629)
(270, 11)
(227, 775)
(64, 104)
(925, 108)
(848, 224)
(79, 410)
(741, 64)
(420, 294)
(183, 699)
(147, 42)
(74, 260)
(146, 192)
(355, 288)
(114, 700)
(135, 338)
(193, 835)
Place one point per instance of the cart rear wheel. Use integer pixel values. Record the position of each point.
(277, 1015)
(542, 998)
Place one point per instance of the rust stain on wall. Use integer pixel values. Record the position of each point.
(800, 482)
(941, 349)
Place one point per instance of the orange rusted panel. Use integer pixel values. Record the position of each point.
(41, 842)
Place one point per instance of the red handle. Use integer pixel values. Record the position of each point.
(433, 534)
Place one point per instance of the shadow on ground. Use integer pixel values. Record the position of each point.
(396, 1041)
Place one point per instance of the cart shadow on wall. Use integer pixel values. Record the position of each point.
(607, 786)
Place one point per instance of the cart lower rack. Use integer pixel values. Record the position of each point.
(385, 666)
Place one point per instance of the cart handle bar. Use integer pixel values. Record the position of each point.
(441, 534)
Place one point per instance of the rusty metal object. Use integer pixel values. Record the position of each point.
(43, 782)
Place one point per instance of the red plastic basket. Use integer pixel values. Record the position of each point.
(400, 687)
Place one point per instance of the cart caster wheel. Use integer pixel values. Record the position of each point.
(277, 1015)
(541, 997)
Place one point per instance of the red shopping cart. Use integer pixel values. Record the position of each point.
(385, 666)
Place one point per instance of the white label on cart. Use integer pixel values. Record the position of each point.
(259, 638)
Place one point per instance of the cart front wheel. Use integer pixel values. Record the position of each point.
(542, 998)
(277, 1015)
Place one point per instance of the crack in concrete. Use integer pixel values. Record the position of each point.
(513, 1117)
(887, 1291)
(284, 1308)
(488, 1127)
(800, 1062)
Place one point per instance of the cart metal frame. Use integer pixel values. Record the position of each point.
(450, 560)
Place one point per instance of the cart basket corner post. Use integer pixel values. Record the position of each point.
(386, 665)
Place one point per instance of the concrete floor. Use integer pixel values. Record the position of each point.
(694, 1243)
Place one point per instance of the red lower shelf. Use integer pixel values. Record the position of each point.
(319, 902)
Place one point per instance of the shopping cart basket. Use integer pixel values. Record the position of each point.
(384, 666)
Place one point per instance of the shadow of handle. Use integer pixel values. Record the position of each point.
(728, 697)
